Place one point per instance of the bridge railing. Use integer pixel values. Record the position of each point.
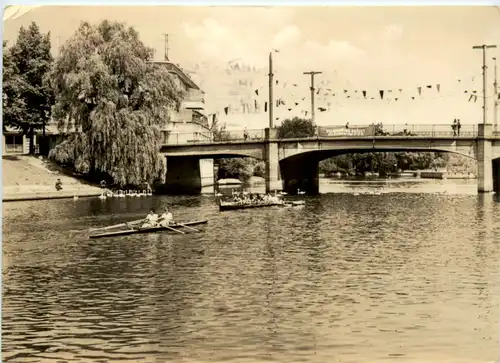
(414, 130)
(184, 138)
(408, 130)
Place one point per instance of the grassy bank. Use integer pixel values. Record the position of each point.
(31, 178)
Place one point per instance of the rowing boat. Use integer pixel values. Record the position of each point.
(223, 206)
(173, 227)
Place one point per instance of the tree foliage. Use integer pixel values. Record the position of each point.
(28, 97)
(238, 168)
(383, 163)
(109, 91)
(13, 104)
(295, 128)
(219, 132)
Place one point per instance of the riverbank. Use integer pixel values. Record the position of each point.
(33, 178)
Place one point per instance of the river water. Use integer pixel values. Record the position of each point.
(409, 273)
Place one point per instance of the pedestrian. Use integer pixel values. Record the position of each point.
(454, 127)
(458, 127)
(58, 185)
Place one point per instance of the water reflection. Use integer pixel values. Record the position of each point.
(412, 276)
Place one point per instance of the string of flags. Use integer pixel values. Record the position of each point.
(292, 97)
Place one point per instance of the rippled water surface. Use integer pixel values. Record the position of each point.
(411, 273)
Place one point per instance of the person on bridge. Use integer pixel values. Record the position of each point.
(454, 127)
(458, 127)
(166, 218)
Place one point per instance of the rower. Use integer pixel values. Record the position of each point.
(166, 218)
(151, 219)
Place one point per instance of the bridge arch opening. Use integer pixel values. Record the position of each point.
(301, 170)
(189, 174)
(496, 175)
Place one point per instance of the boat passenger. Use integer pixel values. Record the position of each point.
(166, 218)
(151, 219)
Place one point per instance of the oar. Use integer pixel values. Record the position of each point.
(194, 229)
(173, 229)
(117, 225)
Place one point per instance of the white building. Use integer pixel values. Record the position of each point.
(190, 124)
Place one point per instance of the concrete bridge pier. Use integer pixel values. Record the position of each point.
(271, 158)
(484, 159)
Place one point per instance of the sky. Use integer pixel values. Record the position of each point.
(394, 49)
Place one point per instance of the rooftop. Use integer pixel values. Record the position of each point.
(174, 68)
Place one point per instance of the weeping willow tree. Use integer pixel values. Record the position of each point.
(112, 102)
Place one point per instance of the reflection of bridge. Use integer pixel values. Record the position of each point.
(293, 163)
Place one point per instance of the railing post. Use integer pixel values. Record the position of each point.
(433, 130)
(393, 130)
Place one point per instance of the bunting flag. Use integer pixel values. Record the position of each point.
(438, 87)
(429, 86)
(473, 97)
(364, 94)
(381, 93)
(419, 91)
(265, 107)
(226, 110)
(257, 92)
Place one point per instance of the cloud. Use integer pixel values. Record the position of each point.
(392, 32)
(220, 42)
(12, 12)
(287, 36)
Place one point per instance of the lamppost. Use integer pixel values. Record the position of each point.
(312, 74)
(484, 47)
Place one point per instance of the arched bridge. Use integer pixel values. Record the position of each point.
(296, 159)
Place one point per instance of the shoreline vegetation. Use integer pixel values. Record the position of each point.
(103, 109)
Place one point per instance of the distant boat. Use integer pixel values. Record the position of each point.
(229, 181)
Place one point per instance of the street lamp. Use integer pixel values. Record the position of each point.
(484, 47)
